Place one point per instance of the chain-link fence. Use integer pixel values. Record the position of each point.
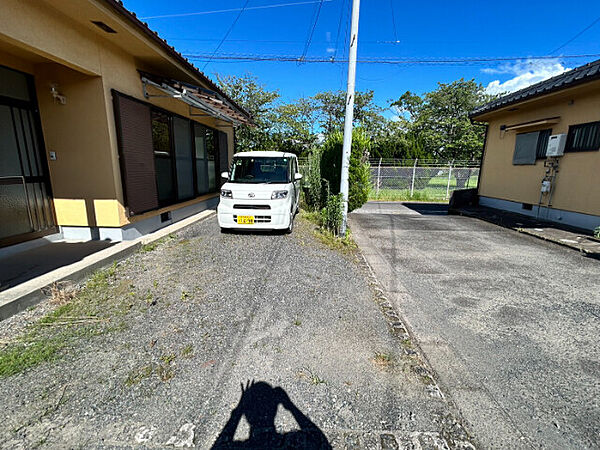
(418, 179)
(427, 180)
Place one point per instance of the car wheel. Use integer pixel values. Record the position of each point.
(224, 230)
(291, 227)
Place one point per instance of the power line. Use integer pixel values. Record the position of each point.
(394, 21)
(202, 13)
(576, 36)
(226, 34)
(337, 39)
(270, 41)
(373, 60)
(312, 30)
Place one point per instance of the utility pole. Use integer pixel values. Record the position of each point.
(349, 114)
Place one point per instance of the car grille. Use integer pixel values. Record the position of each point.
(257, 219)
(237, 206)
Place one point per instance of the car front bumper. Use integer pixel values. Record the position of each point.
(268, 215)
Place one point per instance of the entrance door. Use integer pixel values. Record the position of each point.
(25, 206)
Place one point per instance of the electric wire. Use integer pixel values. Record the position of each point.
(226, 34)
(311, 30)
(376, 60)
(394, 21)
(202, 13)
(339, 29)
(576, 36)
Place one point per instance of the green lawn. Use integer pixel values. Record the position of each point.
(435, 191)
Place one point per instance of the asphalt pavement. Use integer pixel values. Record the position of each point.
(509, 323)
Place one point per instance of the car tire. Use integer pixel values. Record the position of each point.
(224, 230)
(289, 229)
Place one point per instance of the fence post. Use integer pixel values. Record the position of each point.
(378, 178)
(412, 183)
(449, 175)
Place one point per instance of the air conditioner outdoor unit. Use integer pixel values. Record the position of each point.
(556, 145)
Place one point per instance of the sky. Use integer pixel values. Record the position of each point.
(388, 30)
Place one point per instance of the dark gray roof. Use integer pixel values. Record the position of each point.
(583, 74)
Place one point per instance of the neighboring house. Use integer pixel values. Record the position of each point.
(514, 158)
(106, 132)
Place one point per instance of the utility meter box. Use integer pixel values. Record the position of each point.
(556, 145)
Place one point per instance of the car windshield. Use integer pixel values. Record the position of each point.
(259, 170)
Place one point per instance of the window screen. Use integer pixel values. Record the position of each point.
(584, 137)
(161, 141)
(525, 148)
(184, 161)
(542, 143)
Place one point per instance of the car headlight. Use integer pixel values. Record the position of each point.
(226, 193)
(278, 195)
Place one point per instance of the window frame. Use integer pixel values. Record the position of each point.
(171, 156)
(570, 137)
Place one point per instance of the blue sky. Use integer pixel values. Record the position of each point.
(434, 29)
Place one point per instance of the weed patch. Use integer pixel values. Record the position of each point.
(311, 376)
(92, 311)
(382, 360)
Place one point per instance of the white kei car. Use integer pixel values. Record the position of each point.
(262, 192)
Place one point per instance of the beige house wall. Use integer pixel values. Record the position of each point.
(577, 188)
(85, 66)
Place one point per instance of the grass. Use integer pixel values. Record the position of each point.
(94, 310)
(187, 351)
(425, 195)
(139, 374)
(382, 360)
(297, 322)
(345, 244)
(434, 191)
(311, 376)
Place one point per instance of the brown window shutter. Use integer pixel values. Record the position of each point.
(134, 130)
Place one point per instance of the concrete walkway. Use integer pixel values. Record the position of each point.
(24, 266)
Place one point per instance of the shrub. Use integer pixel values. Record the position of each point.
(597, 232)
(331, 214)
(358, 173)
(313, 185)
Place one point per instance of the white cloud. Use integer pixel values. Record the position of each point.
(527, 72)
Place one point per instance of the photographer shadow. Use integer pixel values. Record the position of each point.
(259, 403)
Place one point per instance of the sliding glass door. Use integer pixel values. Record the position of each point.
(25, 206)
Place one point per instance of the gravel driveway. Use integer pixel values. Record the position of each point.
(173, 334)
(509, 322)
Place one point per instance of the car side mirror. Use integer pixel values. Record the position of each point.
(225, 175)
(297, 177)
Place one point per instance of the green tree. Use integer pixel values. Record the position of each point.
(440, 119)
(260, 103)
(359, 183)
(294, 127)
(330, 108)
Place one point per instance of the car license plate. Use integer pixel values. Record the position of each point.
(245, 220)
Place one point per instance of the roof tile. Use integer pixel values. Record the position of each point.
(583, 74)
